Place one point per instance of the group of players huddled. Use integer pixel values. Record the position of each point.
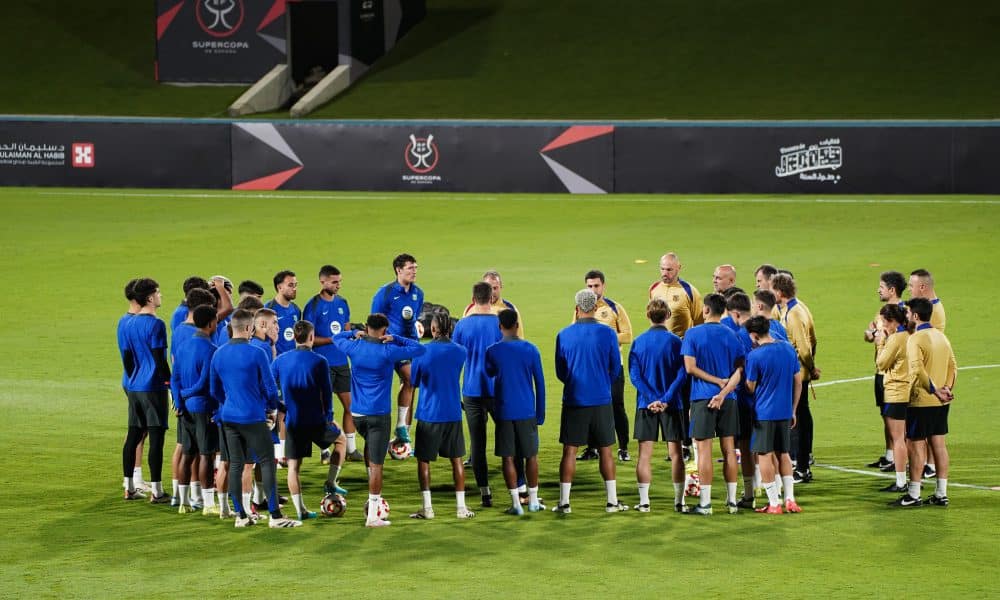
(251, 387)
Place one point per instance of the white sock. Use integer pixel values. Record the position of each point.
(941, 491)
(532, 495)
(352, 442)
(174, 484)
(914, 489)
(706, 495)
(731, 492)
(208, 496)
(611, 487)
(788, 485)
(460, 499)
(258, 494)
(515, 498)
(522, 488)
(127, 484)
(157, 488)
(137, 474)
(756, 477)
(748, 486)
(931, 465)
(401, 413)
(279, 450)
(246, 502)
(336, 475)
(300, 508)
(679, 493)
(373, 501)
(185, 491)
(644, 493)
(427, 498)
(900, 478)
(485, 491)
(195, 492)
(888, 455)
(564, 493)
(223, 502)
(773, 498)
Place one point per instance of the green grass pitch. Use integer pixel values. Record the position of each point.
(67, 533)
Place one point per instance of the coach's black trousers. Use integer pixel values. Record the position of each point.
(804, 425)
(476, 412)
(250, 443)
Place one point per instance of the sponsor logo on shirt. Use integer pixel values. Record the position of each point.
(288, 334)
(335, 328)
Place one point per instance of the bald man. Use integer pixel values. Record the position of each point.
(723, 278)
(683, 298)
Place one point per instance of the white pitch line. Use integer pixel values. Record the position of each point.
(555, 197)
(886, 475)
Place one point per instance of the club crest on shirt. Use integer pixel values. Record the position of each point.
(340, 311)
(676, 297)
(603, 313)
(414, 296)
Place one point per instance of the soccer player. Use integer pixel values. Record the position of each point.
(329, 312)
(764, 304)
(439, 414)
(656, 369)
(890, 290)
(739, 312)
(713, 358)
(798, 322)
(763, 276)
(242, 382)
(181, 312)
(286, 289)
(373, 355)
(250, 288)
(145, 362)
(401, 302)
(133, 310)
(497, 301)
(614, 316)
(932, 375)
(477, 332)
(222, 289)
(774, 378)
(519, 386)
(195, 407)
(266, 333)
(922, 286)
(723, 278)
(894, 372)
(683, 298)
(303, 376)
(587, 362)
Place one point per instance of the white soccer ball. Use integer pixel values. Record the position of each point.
(692, 485)
(381, 512)
(333, 505)
(400, 450)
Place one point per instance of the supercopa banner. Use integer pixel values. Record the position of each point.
(218, 41)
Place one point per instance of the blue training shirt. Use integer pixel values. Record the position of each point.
(287, 317)
(476, 333)
(329, 317)
(400, 306)
(519, 384)
(264, 345)
(656, 368)
(717, 351)
(190, 380)
(122, 324)
(587, 361)
(179, 316)
(372, 365)
(145, 334)
(181, 334)
(773, 366)
(436, 374)
(242, 383)
(303, 377)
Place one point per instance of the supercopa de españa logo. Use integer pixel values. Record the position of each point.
(421, 157)
(219, 18)
(810, 162)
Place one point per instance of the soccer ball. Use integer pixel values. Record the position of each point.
(382, 512)
(692, 485)
(400, 450)
(333, 505)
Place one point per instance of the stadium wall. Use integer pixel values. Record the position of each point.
(870, 157)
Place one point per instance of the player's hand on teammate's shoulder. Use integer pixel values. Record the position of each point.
(387, 338)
